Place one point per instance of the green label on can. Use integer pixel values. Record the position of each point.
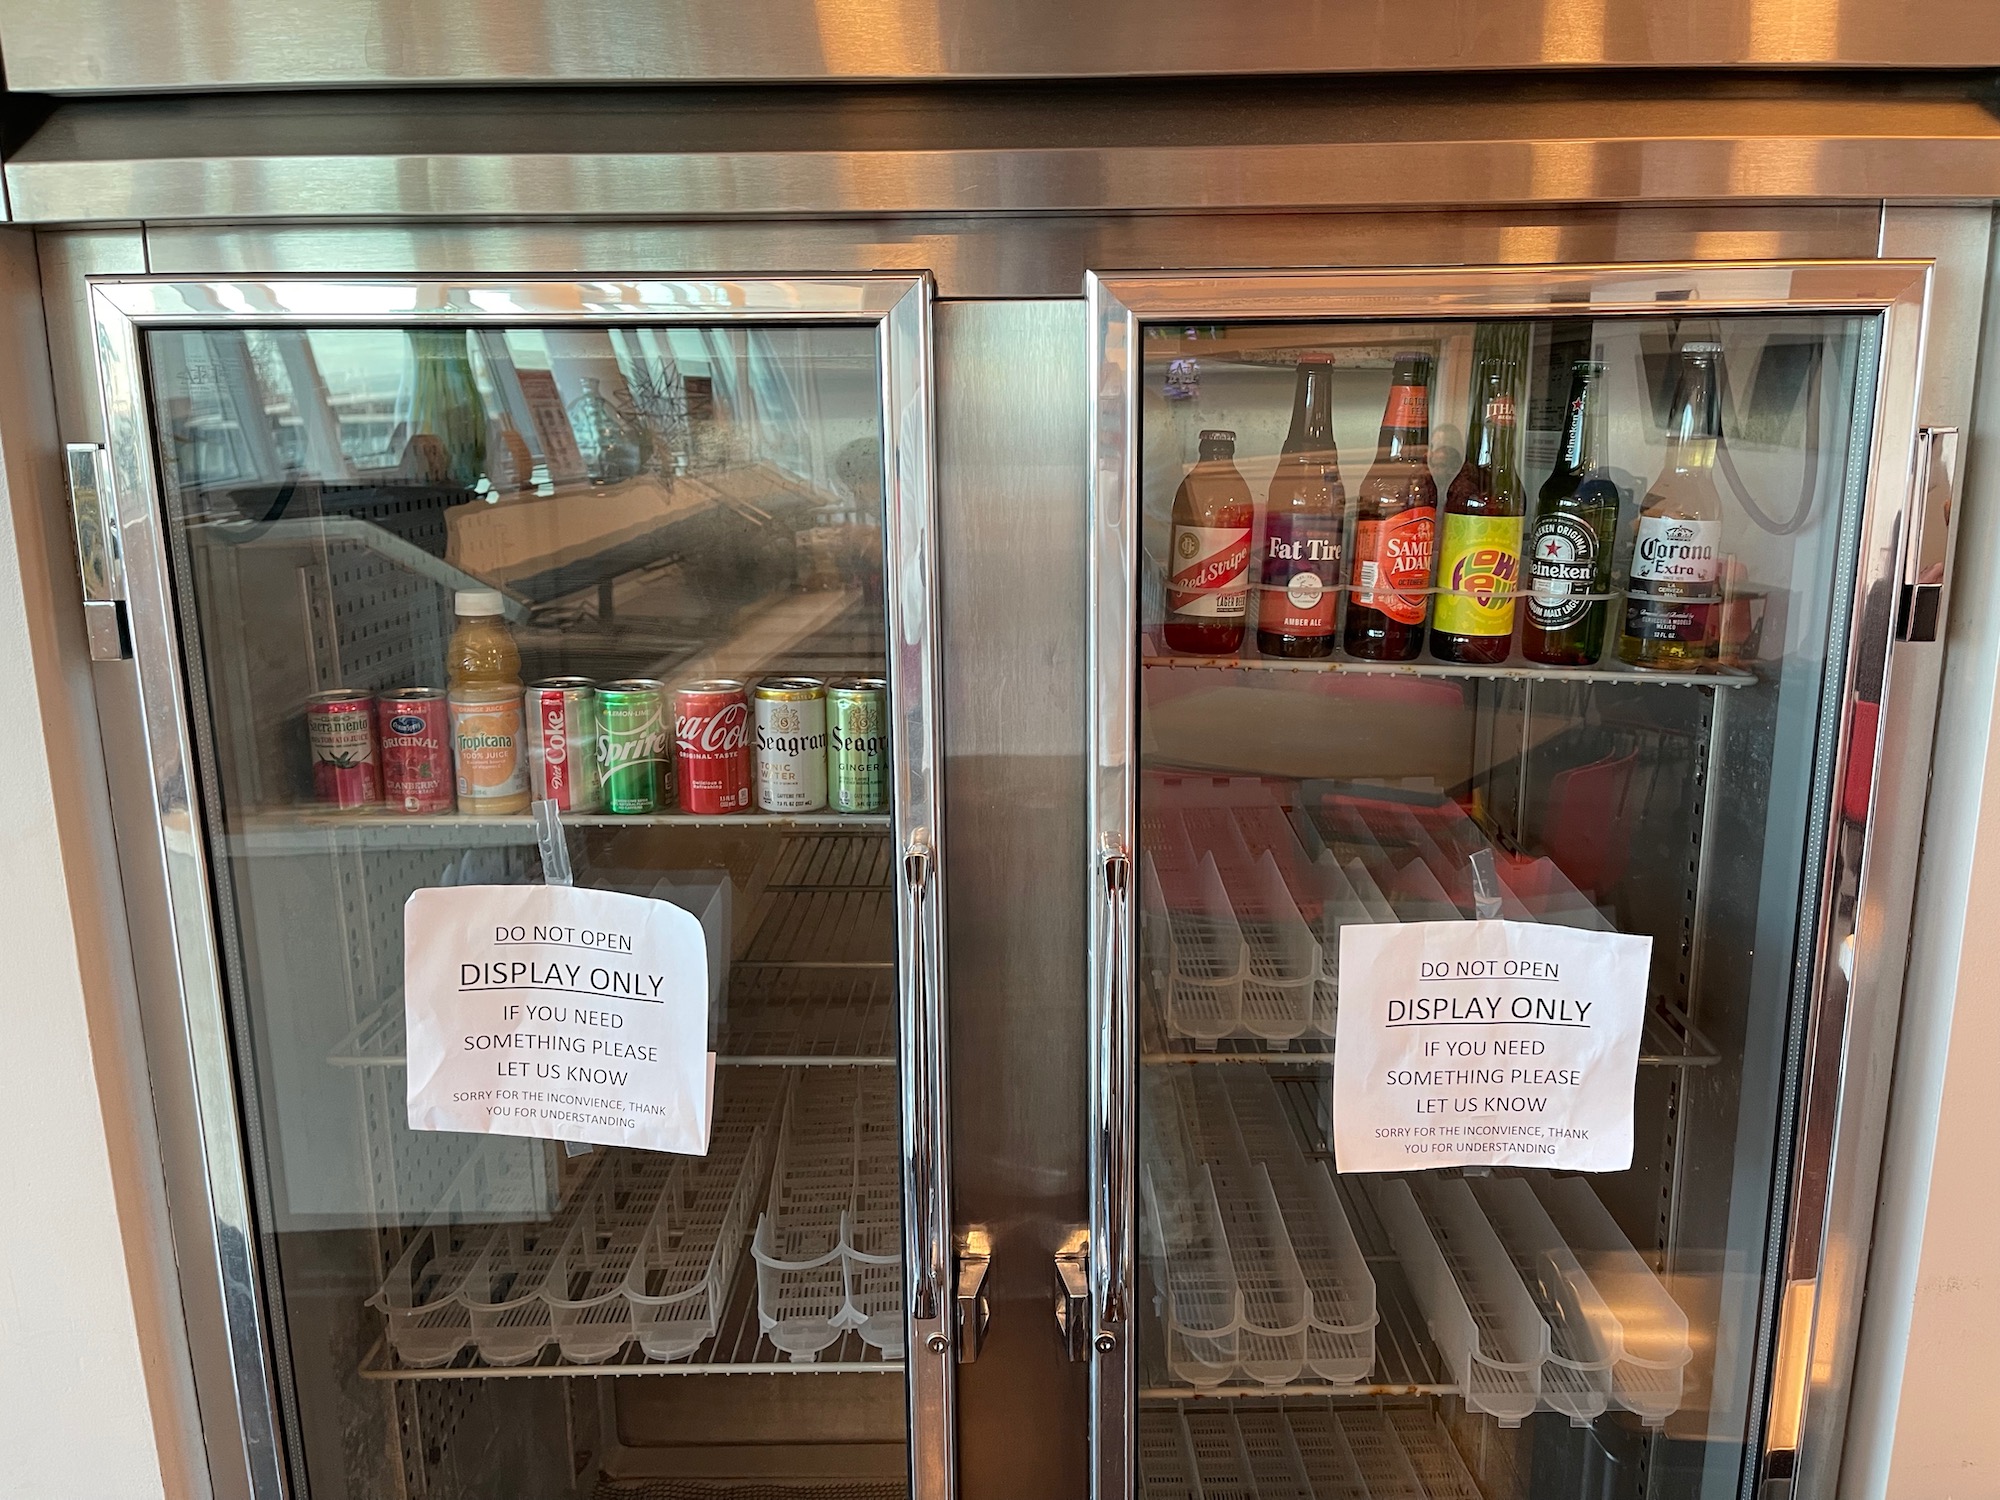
(858, 748)
(632, 742)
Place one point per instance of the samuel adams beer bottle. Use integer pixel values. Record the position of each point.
(1479, 546)
(1675, 596)
(1396, 525)
(1568, 559)
(1304, 516)
(1208, 573)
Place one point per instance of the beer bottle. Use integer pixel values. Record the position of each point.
(1479, 545)
(1305, 513)
(1396, 525)
(1568, 562)
(1208, 580)
(1674, 598)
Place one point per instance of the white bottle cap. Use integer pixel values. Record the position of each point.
(479, 602)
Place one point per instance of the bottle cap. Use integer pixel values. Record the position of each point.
(1217, 436)
(479, 602)
(1702, 346)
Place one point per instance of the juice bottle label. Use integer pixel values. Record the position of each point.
(1479, 569)
(488, 745)
(1301, 573)
(1392, 563)
(1211, 568)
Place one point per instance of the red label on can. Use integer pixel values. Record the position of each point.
(552, 731)
(416, 753)
(712, 744)
(341, 731)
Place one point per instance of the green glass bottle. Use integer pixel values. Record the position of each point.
(1568, 562)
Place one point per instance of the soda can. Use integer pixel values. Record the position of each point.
(632, 746)
(791, 744)
(340, 727)
(857, 723)
(562, 743)
(712, 745)
(415, 734)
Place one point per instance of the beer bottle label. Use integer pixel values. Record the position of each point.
(1409, 408)
(1676, 568)
(1479, 569)
(1392, 563)
(1562, 567)
(1301, 575)
(1211, 572)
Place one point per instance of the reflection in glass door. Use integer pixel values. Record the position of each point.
(424, 573)
(1542, 620)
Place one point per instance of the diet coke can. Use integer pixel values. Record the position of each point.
(791, 744)
(416, 750)
(340, 726)
(712, 741)
(562, 743)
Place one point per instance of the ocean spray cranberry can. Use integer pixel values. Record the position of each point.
(340, 727)
(791, 744)
(563, 725)
(712, 743)
(415, 737)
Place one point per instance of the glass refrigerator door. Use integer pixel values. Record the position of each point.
(1456, 625)
(413, 556)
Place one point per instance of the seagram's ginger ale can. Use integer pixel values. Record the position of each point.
(857, 714)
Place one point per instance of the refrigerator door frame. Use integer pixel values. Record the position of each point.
(1791, 1414)
(210, 1189)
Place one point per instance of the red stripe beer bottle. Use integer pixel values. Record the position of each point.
(1208, 557)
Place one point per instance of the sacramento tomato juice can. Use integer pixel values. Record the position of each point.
(340, 727)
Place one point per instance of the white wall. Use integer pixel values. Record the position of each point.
(1925, 1422)
(93, 1393)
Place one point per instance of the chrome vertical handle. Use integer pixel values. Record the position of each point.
(1927, 542)
(100, 553)
(928, 1192)
(1115, 1082)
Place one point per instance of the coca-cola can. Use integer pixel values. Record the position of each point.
(712, 744)
(791, 744)
(340, 727)
(563, 725)
(415, 731)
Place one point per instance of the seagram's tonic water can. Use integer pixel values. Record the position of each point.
(857, 714)
(791, 744)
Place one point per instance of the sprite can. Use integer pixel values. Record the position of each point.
(633, 746)
(857, 716)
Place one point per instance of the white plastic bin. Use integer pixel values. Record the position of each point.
(1583, 1335)
(1195, 1284)
(1481, 1317)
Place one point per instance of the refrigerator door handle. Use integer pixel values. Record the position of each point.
(1072, 1303)
(100, 553)
(1114, 1129)
(926, 1188)
(1927, 548)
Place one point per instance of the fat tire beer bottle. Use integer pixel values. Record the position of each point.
(1305, 512)
(1479, 543)
(1208, 570)
(1395, 528)
(1674, 599)
(1568, 562)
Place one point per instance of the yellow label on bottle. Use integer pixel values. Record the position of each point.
(1479, 572)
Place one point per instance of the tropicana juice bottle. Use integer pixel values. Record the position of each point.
(489, 743)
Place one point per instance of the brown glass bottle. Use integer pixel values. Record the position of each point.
(1395, 528)
(1479, 541)
(1208, 582)
(1305, 513)
(1568, 562)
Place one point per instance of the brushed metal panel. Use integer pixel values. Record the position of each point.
(101, 45)
(1013, 436)
(874, 151)
(1043, 256)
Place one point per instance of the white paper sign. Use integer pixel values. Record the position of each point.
(545, 1010)
(1486, 1044)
